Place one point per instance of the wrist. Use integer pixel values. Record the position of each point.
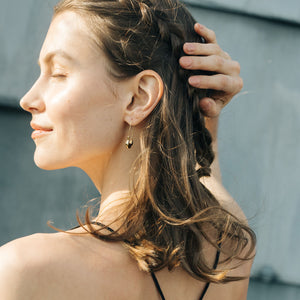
(212, 125)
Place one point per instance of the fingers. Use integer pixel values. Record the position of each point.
(224, 84)
(218, 82)
(210, 107)
(211, 46)
(213, 63)
(208, 34)
(203, 49)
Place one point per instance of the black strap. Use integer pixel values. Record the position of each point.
(217, 258)
(96, 223)
(204, 290)
(152, 273)
(157, 286)
(208, 283)
(205, 287)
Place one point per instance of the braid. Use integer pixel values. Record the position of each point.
(172, 33)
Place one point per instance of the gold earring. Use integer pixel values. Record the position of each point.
(129, 141)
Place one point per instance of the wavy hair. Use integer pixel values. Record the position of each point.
(170, 212)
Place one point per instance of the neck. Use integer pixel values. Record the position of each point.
(113, 177)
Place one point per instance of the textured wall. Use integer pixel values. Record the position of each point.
(29, 197)
(288, 11)
(23, 26)
(258, 137)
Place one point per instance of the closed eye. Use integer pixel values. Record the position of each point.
(59, 75)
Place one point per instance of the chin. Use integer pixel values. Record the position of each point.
(48, 163)
(47, 166)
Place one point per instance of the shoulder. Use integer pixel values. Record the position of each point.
(18, 261)
(57, 265)
(223, 196)
(237, 289)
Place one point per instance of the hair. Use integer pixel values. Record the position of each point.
(170, 213)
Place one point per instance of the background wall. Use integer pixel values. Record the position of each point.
(259, 134)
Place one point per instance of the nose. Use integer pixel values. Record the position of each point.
(32, 101)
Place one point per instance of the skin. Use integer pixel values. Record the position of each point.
(225, 85)
(88, 118)
(87, 123)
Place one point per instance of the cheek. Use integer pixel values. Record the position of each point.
(83, 119)
(102, 127)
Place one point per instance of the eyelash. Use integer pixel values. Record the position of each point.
(58, 75)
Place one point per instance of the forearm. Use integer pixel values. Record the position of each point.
(223, 85)
(212, 126)
(214, 183)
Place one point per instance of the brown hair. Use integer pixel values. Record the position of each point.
(170, 211)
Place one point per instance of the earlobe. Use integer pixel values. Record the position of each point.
(148, 90)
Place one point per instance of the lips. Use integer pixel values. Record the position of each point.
(39, 130)
(39, 127)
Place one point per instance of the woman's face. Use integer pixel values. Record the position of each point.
(76, 114)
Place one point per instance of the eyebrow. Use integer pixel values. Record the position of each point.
(49, 56)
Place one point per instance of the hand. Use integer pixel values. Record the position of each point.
(210, 57)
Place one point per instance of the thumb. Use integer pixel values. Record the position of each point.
(211, 108)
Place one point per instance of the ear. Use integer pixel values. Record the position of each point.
(147, 91)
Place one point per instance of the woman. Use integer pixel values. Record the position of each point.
(113, 100)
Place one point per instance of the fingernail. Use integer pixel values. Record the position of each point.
(189, 46)
(193, 80)
(185, 60)
(200, 26)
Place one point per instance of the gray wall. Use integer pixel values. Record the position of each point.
(259, 134)
(29, 197)
(259, 137)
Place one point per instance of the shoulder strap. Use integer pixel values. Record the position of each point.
(157, 286)
(208, 283)
(214, 267)
(96, 223)
(152, 273)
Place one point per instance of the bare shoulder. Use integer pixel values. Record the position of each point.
(59, 266)
(222, 195)
(18, 259)
(234, 290)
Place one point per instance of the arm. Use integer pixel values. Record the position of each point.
(20, 268)
(212, 125)
(225, 83)
(10, 270)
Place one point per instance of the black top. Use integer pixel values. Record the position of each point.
(205, 287)
(152, 273)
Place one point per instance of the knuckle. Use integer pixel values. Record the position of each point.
(207, 82)
(227, 55)
(219, 61)
(238, 67)
(213, 35)
(240, 83)
(224, 82)
(217, 49)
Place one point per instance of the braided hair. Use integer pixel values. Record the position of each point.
(170, 210)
